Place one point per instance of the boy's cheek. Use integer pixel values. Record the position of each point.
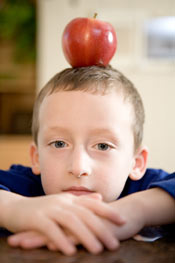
(51, 178)
(109, 191)
(111, 186)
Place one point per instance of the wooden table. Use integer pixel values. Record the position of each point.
(130, 251)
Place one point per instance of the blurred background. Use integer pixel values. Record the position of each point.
(31, 53)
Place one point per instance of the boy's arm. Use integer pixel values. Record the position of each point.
(146, 208)
(51, 215)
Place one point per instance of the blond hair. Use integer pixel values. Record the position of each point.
(94, 79)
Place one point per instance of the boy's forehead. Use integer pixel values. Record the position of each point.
(82, 101)
(62, 96)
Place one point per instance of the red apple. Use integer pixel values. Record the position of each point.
(88, 41)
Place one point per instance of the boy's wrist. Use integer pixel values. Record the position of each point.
(131, 208)
(150, 207)
(159, 207)
(7, 201)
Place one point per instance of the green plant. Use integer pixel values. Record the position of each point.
(18, 25)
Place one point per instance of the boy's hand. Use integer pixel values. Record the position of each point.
(145, 208)
(33, 239)
(51, 215)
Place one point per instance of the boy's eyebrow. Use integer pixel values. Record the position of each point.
(102, 130)
(105, 131)
(94, 131)
(57, 128)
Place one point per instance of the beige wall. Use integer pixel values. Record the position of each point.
(14, 150)
(155, 80)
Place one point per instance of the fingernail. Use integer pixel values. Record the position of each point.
(97, 248)
(71, 251)
(13, 240)
(122, 220)
(113, 244)
(97, 196)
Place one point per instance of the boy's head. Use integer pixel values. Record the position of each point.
(88, 121)
(97, 80)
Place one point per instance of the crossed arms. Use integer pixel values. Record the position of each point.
(62, 221)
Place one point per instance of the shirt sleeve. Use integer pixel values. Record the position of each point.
(2, 187)
(20, 179)
(167, 184)
(152, 178)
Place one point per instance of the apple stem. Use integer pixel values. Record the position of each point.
(95, 15)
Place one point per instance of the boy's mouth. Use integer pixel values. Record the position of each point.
(78, 190)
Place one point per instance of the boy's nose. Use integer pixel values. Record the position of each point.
(79, 164)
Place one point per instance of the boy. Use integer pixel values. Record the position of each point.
(87, 129)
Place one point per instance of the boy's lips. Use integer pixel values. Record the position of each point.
(78, 190)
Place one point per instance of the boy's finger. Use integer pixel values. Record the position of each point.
(98, 227)
(97, 196)
(56, 236)
(27, 240)
(102, 209)
(71, 237)
(79, 229)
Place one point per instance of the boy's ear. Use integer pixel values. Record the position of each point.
(140, 163)
(34, 159)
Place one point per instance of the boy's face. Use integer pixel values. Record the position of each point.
(88, 135)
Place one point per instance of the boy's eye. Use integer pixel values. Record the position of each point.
(59, 144)
(103, 146)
